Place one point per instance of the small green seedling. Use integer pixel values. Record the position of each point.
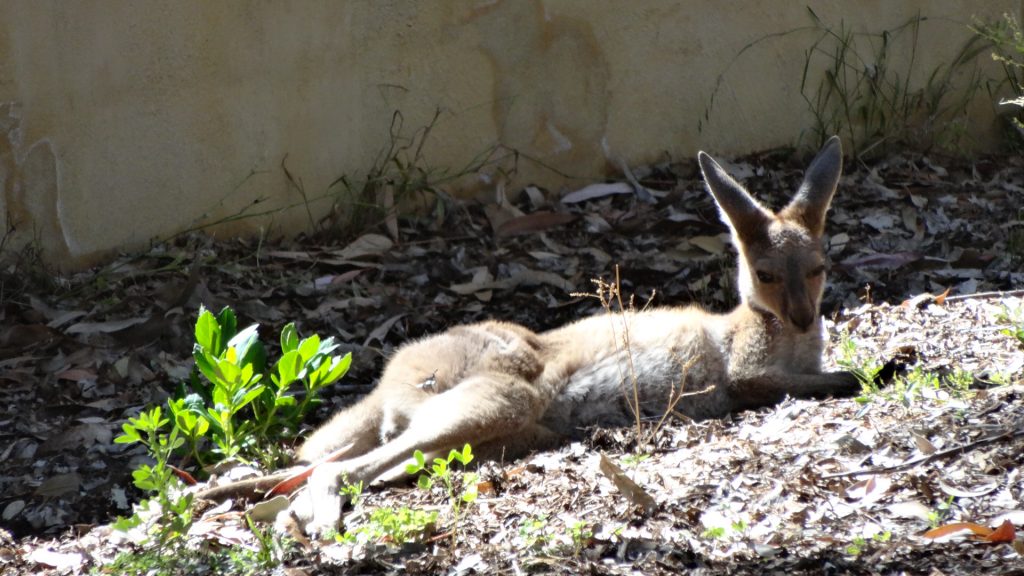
(460, 489)
(392, 526)
(1014, 318)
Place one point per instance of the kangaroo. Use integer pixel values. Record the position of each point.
(507, 390)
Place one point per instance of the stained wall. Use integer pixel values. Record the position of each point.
(124, 122)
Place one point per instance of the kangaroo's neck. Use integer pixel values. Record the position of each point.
(759, 339)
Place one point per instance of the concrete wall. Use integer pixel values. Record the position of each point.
(122, 121)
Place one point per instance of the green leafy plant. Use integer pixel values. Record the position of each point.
(235, 407)
(272, 549)
(724, 524)
(860, 543)
(148, 561)
(850, 358)
(581, 533)
(1014, 318)
(634, 460)
(386, 525)
(533, 531)
(244, 413)
(1006, 40)
(916, 385)
(942, 511)
(713, 533)
(354, 492)
(268, 554)
(920, 384)
(959, 382)
(906, 390)
(392, 526)
(537, 533)
(168, 512)
(461, 489)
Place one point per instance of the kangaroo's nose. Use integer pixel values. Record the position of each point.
(802, 319)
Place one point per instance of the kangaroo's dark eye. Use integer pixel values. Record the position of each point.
(765, 277)
(816, 272)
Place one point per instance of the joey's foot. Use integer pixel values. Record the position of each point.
(316, 508)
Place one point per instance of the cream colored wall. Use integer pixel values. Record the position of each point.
(121, 121)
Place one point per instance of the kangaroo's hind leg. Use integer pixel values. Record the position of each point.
(487, 408)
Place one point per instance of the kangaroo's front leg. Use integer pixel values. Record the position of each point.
(487, 408)
(770, 389)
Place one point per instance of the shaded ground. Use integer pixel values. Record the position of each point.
(774, 490)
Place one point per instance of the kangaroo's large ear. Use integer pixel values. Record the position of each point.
(812, 199)
(744, 215)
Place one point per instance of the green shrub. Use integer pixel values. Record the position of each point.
(236, 407)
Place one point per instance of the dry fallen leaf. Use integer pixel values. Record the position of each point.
(910, 510)
(365, 245)
(923, 444)
(881, 261)
(534, 222)
(869, 490)
(525, 277)
(380, 332)
(78, 437)
(597, 191)
(630, 489)
(710, 244)
(59, 485)
(486, 488)
(1004, 533)
(59, 560)
(972, 493)
(12, 509)
(183, 475)
(104, 327)
(267, 510)
(955, 527)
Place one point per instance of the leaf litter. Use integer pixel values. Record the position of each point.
(834, 486)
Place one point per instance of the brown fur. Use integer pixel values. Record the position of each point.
(507, 390)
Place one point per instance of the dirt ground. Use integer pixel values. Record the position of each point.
(926, 263)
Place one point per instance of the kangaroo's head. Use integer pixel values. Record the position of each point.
(781, 259)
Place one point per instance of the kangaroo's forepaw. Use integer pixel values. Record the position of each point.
(852, 386)
(887, 373)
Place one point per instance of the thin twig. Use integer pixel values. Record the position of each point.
(924, 458)
(985, 295)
